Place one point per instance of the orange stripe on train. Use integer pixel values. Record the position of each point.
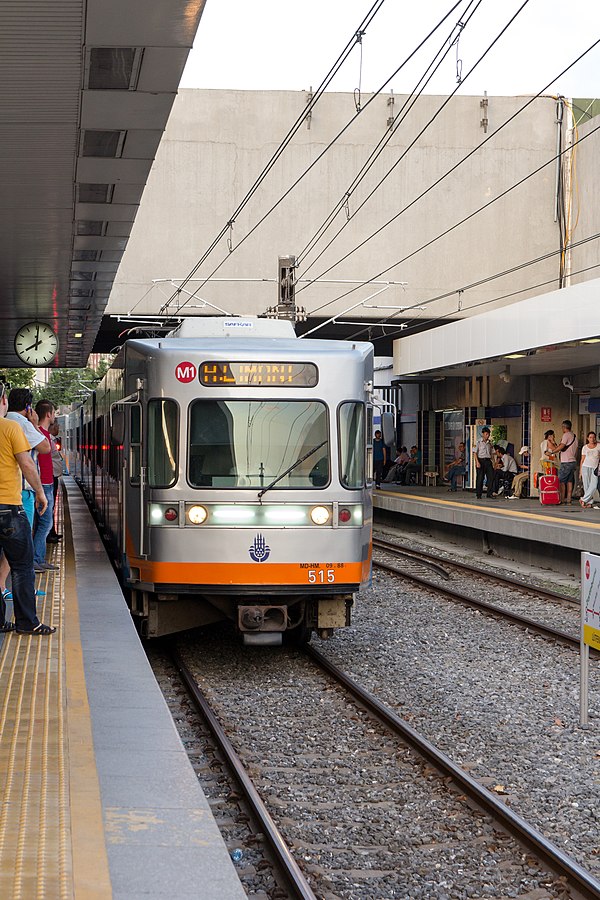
(249, 573)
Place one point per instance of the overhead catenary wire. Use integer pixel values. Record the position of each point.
(360, 31)
(415, 140)
(396, 216)
(307, 170)
(434, 65)
(466, 218)
(405, 331)
(461, 292)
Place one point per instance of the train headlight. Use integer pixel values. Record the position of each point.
(320, 515)
(197, 515)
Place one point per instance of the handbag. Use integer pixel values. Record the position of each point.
(578, 490)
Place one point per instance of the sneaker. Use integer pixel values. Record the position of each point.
(46, 567)
(512, 497)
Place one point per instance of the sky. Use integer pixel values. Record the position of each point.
(284, 45)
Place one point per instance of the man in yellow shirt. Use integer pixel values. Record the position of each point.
(15, 532)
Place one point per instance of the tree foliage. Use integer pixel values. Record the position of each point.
(64, 385)
(18, 377)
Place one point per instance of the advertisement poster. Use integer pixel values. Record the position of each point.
(454, 433)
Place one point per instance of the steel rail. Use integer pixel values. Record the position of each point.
(382, 544)
(296, 880)
(500, 612)
(543, 849)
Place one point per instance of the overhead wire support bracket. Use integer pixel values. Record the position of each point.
(309, 99)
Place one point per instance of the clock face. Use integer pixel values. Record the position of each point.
(36, 344)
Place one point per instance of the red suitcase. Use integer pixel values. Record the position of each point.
(549, 490)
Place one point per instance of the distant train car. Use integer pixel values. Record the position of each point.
(229, 468)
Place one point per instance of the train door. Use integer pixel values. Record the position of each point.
(135, 486)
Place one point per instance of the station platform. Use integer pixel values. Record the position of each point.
(521, 529)
(99, 799)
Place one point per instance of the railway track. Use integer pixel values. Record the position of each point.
(415, 563)
(299, 885)
(451, 565)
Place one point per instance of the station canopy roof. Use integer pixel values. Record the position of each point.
(554, 333)
(87, 87)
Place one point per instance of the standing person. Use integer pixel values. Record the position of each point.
(547, 451)
(15, 533)
(568, 462)
(43, 521)
(379, 457)
(20, 410)
(590, 457)
(57, 469)
(483, 453)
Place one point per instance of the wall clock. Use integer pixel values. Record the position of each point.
(36, 344)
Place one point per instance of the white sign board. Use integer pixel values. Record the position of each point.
(590, 625)
(590, 599)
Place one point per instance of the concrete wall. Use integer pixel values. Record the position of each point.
(216, 143)
(586, 204)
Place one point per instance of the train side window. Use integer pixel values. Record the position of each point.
(135, 443)
(163, 422)
(351, 426)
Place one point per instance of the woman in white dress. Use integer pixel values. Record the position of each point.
(590, 456)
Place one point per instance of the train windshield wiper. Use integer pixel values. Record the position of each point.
(291, 468)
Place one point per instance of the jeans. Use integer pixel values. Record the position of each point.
(28, 501)
(453, 473)
(15, 540)
(43, 524)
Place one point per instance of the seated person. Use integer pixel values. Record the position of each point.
(456, 467)
(498, 472)
(413, 467)
(507, 472)
(397, 467)
(520, 480)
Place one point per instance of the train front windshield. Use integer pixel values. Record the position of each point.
(250, 443)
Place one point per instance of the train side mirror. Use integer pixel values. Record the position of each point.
(388, 429)
(117, 426)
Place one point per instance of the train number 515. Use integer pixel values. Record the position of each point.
(319, 576)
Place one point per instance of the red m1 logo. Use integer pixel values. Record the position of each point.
(185, 372)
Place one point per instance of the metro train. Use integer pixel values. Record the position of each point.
(229, 468)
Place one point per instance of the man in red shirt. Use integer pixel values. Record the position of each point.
(43, 521)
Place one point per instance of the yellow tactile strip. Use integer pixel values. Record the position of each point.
(47, 768)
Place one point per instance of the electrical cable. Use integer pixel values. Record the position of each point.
(375, 8)
(531, 287)
(441, 178)
(407, 106)
(460, 291)
(463, 220)
(303, 174)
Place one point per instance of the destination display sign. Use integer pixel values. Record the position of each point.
(258, 374)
